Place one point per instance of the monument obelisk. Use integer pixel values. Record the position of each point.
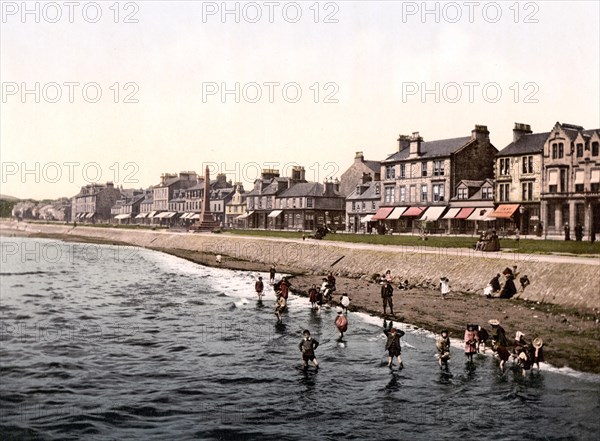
(207, 221)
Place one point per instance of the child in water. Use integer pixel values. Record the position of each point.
(392, 345)
(443, 346)
(341, 323)
(307, 346)
(471, 340)
(345, 301)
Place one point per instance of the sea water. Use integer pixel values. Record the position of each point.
(109, 342)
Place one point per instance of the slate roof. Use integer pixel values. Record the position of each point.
(369, 193)
(373, 165)
(433, 149)
(469, 183)
(530, 143)
(310, 189)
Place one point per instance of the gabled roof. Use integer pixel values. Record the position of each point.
(469, 183)
(302, 189)
(530, 143)
(369, 193)
(433, 149)
(373, 165)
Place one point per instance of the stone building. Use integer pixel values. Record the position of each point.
(169, 189)
(260, 201)
(518, 174)
(419, 179)
(235, 210)
(362, 204)
(93, 203)
(354, 174)
(128, 205)
(470, 207)
(571, 180)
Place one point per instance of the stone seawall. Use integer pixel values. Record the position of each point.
(566, 281)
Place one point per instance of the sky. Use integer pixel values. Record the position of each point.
(126, 91)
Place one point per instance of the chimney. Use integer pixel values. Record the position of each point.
(415, 144)
(336, 185)
(403, 142)
(520, 130)
(110, 185)
(366, 177)
(162, 179)
(269, 173)
(328, 184)
(359, 157)
(298, 173)
(481, 134)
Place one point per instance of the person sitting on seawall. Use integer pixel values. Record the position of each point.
(509, 289)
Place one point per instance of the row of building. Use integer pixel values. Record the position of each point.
(538, 184)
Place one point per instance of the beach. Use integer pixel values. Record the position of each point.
(571, 335)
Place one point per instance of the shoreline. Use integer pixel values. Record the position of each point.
(571, 336)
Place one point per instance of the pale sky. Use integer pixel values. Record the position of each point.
(375, 61)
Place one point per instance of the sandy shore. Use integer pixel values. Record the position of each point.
(572, 337)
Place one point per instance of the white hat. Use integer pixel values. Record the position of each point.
(518, 335)
(339, 310)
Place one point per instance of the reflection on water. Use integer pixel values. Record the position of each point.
(154, 347)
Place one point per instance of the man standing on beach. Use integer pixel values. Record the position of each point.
(272, 275)
(307, 346)
(387, 292)
(444, 286)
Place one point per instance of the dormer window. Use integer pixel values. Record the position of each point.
(377, 189)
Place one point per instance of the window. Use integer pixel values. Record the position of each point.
(389, 194)
(423, 192)
(594, 149)
(353, 206)
(372, 205)
(557, 150)
(363, 205)
(527, 165)
(423, 169)
(300, 202)
(403, 194)
(402, 171)
(294, 203)
(551, 215)
(503, 192)
(579, 148)
(269, 202)
(578, 188)
(390, 172)
(553, 188)
(251, 203)
(463, 193)
(376, 188)
(527, 191)
(560, 150)
(260, 202)
(486, 193)
(504, 166)
(438, 192)
(438, 168)
(563, 180)
(309, 202)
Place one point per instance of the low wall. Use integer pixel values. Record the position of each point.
(567, 281)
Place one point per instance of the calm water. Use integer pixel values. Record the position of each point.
(103, 342)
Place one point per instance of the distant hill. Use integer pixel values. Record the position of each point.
(8, 198)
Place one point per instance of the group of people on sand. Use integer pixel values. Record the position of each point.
(507, 290)
(525, 354)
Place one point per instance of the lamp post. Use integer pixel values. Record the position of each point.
(522, 220)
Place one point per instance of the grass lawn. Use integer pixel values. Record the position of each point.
(524, 245)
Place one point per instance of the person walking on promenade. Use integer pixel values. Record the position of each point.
(259, 288)
(444, 286)
(387, 291)
(471, 340)
(567, 231)
(578, 233)
(499, 342)
(307, 346)
(272, 275)
(341, 323)
(312, 297)
(443, 346)
(392, 345)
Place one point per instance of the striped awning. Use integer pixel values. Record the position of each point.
(432, 214)
(397, 213)
(464, 213)
(481, 214)
(505, 211)
(383, 213)
(152, 214)
(413, 212)
(275, 213)
(451, 213)
(123, 216)
(245, 215)
(367, 218)
(141, 215)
